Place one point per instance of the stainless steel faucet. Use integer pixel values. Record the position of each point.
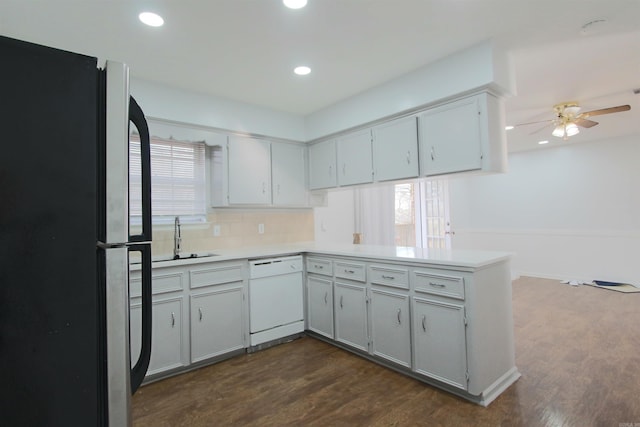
(177, 238)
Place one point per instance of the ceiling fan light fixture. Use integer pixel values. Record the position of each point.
(571, 129)
(558, 131)
(572, 110)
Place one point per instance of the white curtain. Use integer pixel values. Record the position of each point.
(375, 214)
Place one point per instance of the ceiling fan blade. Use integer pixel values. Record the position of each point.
(543, 127)
(609, 110)
(534, 123)
(585, 123)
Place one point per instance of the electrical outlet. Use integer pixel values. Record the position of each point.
(216, 230)
(260, 228)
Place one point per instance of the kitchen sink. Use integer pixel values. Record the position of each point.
(184, 256)
(162, 258)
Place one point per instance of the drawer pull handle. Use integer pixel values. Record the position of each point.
(341, 297)
(436, 285)
(399, 314)
(319, 267)
(200, 312)
(424, 323)
(173, 319)
(388, 277)
(349, 271)
(326, 296)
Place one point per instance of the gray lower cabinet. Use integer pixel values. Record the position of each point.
(350, 302)
(166, 334)
(169, 333)
(217, 321)
(390, 326)
(320, 306)
(439, 345)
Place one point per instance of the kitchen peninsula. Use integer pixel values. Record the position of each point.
(443, 317)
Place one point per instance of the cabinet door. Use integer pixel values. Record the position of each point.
(217, 325)
(439, 341)
(320, 306)
(355, 163)
(249, 171)
(450, 138)
(322, 165)
(351, 315)
(395, 150)
(288, 174)
(390, 330)
(166, 334)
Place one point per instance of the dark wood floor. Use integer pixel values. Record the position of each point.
(578, 349)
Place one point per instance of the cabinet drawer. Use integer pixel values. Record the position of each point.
(389, 276)
(216, 275)
(320, 266)
(437, 283)
(351, 270)
(161, 282)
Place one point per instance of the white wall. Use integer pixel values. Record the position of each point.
(164, 102)
(335, 222)
(570, 212)
(485, 65)
(482, 66)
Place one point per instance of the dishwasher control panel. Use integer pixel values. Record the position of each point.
(275, 266)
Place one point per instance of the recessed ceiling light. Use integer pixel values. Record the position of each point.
(508, 127)
(302, 70)
(295, 4)
(543, 142)
(151, 19)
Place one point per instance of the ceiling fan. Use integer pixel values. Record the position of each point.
(569, 118)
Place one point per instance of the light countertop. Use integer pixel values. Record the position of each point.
(439, 257)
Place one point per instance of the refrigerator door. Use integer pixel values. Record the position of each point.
(120, 109)
(52, 351)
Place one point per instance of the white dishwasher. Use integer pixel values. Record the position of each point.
(275, 298)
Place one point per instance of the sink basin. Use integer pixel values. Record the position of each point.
(184, 256)
(163, 258)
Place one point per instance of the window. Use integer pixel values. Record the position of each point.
(422, 214)
(178, 180)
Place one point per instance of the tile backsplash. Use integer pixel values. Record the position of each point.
(238, 228)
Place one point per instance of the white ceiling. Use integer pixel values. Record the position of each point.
(246, 49)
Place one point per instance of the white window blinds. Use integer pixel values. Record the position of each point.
(178, 178)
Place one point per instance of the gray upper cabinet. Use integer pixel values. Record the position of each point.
(249, 171)
(355, 163)
(322, 165)
(463, 135)
(395, 149)
(288, 174)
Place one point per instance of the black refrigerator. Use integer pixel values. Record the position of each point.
(65, 239)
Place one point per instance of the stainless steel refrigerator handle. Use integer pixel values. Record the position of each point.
(136, 116)
(140, 369)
